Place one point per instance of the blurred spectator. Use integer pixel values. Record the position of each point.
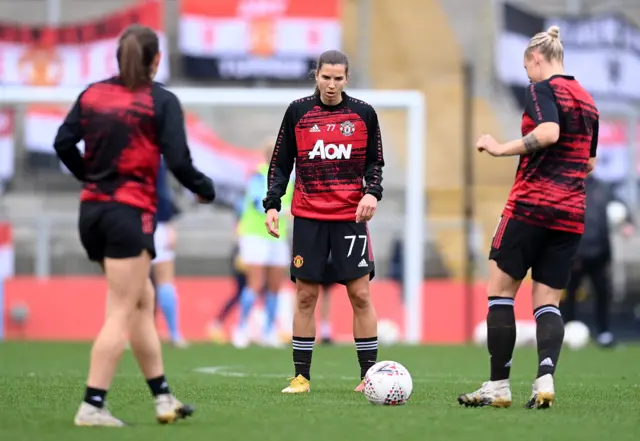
(396, 267)
(594, 255)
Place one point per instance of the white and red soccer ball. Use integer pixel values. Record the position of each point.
(388, 383)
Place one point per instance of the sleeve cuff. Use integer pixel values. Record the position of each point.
(269, 203)
(376, 194)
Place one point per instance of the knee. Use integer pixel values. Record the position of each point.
(274, 286)
(148, 300)
(163, 273)
(360, 299)
(255, 287)
(255, 282)
(306, 300)
(125, 313)
(544, 295)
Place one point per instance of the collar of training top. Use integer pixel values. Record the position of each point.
(340, 105)
(566, 77)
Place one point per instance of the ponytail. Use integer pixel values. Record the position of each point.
(133, 71)
(316, 91)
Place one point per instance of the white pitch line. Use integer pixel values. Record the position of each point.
(235, 372)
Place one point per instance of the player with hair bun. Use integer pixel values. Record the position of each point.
(543, 219)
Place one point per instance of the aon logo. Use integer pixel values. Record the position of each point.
(330, 151)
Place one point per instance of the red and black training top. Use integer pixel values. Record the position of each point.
(549, 188)
(334, 148)
(125, 132)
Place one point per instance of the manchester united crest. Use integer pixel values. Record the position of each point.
(347, 128)
(298, 261)
(40, 66)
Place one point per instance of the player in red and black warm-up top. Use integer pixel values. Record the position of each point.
(543, 220)
(334, 141)
(126, 123)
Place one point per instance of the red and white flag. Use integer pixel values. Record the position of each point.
(239, 39)
(74, 54)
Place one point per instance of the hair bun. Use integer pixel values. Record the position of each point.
(554, 32)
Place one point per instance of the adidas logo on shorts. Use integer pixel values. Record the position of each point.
(363, 264)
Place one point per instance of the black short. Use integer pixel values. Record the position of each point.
(518, 246)
(116, 231)
(348, 244)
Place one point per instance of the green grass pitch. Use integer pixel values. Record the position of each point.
(237, 396)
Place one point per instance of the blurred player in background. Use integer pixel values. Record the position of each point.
(127, 122)
(593, 258)
(543, 220)
(334, 141)
(265, 258)
(326, 330)
(216, 330)
(163, 266)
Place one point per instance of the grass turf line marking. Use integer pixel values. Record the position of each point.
(235, 372)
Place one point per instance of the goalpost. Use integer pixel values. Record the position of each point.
(412, 102)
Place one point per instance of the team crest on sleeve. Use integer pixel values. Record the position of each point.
(298, 261)
(347, 128)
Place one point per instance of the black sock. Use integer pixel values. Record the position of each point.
(367, 349)
(302, 353)
(550, 335)
(501, 336)
(158, 386)
(95, 397)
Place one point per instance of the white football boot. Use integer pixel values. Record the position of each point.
(92, 416)
(169, 409)
(543, 394)
(492, 393)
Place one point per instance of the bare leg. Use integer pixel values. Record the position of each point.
(304, 326)
(365, 323)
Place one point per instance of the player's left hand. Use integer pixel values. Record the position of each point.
(487, 143)
(366, 208)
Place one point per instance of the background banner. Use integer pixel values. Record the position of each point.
(256, 39)
(601, 51)
(75, 54)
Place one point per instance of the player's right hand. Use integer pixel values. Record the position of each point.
(272, 221)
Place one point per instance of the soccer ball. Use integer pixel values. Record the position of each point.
(576, 335)
(525, 333)
(388, 332)
(388, 383)
(616, 212)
